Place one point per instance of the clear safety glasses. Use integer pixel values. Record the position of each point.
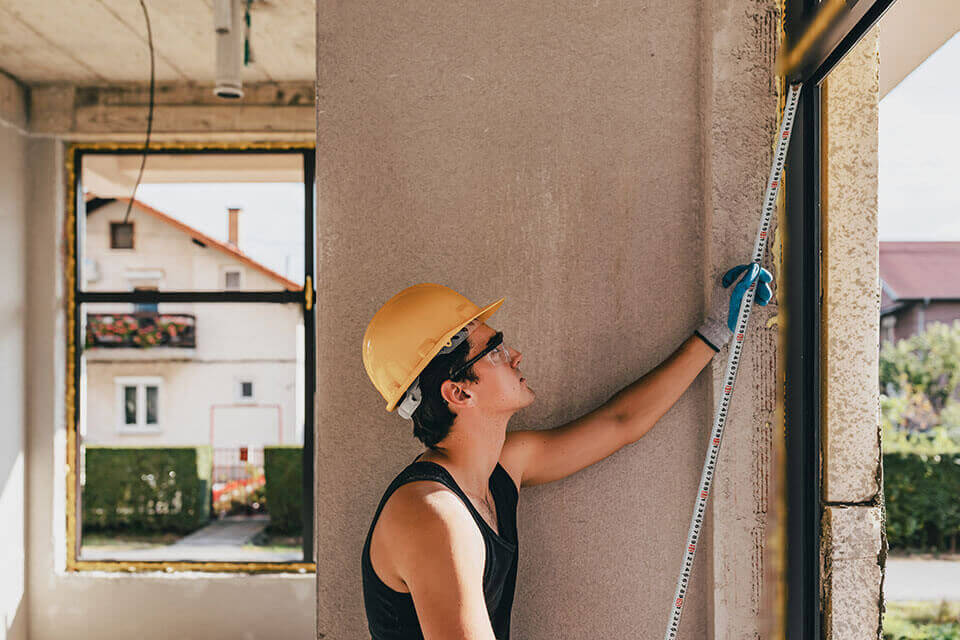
(495, 351)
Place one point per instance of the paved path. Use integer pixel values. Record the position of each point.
(922, 579)
(219, 541)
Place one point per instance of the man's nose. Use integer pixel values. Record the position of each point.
(517, 357)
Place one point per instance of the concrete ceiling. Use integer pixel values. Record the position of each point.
(111, 176)
(103, 42)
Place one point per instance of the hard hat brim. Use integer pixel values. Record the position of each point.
(481, 315)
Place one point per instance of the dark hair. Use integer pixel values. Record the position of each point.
(432, 419)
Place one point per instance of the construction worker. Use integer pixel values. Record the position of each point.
(440, 558)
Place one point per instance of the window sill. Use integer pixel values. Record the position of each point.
(132, 431)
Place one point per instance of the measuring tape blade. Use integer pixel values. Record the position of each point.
(733, 363)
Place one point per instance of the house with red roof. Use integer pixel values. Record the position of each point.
(186, 373)
(919, 284)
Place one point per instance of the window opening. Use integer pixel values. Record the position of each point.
(166, 323)
(121, 235)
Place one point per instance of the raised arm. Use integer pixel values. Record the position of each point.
(536, 457)
(440, 557)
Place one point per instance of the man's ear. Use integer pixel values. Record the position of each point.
(455, 394)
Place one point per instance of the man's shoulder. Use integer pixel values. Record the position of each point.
(425, 506)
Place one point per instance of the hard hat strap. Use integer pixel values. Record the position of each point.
(411, 400)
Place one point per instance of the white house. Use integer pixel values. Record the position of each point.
(224, 374)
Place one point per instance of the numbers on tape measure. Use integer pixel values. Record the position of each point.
(733, 363)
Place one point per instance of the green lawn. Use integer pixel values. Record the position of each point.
(922, 621)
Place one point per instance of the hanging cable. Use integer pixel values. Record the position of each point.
(146, 142)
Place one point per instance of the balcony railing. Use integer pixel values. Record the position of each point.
(141, 330)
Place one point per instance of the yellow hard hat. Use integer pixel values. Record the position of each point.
(409, 330)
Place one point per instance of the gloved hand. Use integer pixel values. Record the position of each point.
(718, 328)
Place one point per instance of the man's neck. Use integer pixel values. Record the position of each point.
(471, 451)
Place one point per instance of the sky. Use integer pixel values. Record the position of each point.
(271, 223)
(919, 186)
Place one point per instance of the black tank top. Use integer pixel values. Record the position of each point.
(391, 614)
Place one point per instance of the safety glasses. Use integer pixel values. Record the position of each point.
(496, 352)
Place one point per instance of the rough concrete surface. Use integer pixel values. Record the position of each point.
(739, 117)
(851, 300)
(556, 155)
(851, 581)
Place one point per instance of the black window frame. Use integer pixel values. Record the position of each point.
(802, 260)
(76, 297)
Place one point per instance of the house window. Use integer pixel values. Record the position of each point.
(121, 235)
(145, 307)
(245, 390)
(138, 401)
(232, 279)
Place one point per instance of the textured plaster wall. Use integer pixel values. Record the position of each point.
(852, 542)
(853, 545)
(851, 330)
(739, 108)
(13, 334)
(592, 162)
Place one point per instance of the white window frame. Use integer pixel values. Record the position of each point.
(238, 389)
(141, 383)
(224, 269)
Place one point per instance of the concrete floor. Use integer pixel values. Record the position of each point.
(922, 579)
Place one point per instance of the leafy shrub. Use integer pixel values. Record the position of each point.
(283, 467)
(146, 488)
(927, 363)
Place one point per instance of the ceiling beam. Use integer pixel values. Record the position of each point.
(119, 112)
(13, 103)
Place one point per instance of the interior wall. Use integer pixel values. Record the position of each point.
(99, 606)
(580, 160)
(13, 328)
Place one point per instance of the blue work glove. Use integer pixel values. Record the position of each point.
(714, 331)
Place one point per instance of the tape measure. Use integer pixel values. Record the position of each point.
(733, 363)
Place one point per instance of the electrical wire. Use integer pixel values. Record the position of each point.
(146, 142)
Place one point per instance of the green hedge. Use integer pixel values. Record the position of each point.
(283, 468)
(921, 477)
(147, 488)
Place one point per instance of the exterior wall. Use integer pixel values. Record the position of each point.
(158, 245)
(233, 341)
(853, 547)
(13, 330)
(594, 164)
(911, 319)
(98, 606)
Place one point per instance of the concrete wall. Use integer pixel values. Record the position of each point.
(853, 547)
(594, 163)
(99, 606)
(13, 331)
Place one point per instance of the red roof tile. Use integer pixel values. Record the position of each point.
(917, 270)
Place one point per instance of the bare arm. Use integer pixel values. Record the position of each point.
(536, 457)
(439, 553)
